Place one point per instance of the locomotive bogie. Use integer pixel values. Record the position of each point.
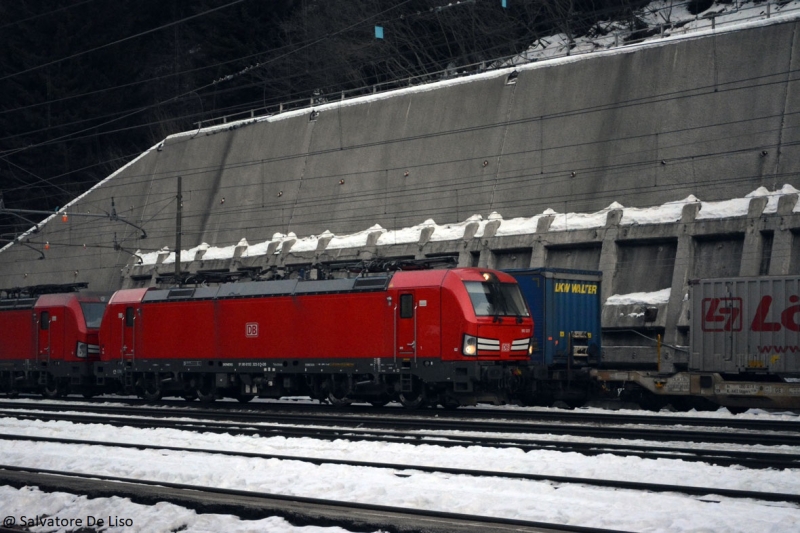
(373, 381)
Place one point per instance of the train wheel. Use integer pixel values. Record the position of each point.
(149, 388)
(416, 397)
(379, 403)
(206, 392)
(337, 391)
(151, 392)
(244, 398)
(54, 388)
(410, 400)
(451, 403)
(189, 396)
(338, 402)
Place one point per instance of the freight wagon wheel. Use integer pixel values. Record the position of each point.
(379, 403)
(244, 398)
(189, 396)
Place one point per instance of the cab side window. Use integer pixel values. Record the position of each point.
(129, 317)
(44, 320)
(406, 306)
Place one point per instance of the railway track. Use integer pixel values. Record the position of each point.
(156, 483)
(255, 505)
(632, 430)
(358, 432)
(282, 408)
(400, 468)
(530, 415)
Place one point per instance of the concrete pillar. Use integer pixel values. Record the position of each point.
(538, 254)
(464, 258)
(487, 257)
(753, 241)
(681, 273)
(609, 252)
(781, 258)
(539, 248)
(781, 252)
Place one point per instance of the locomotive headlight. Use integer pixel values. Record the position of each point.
(530, 349)
(470, 345)
(81, 350)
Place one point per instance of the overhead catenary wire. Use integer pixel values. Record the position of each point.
(511, 183)
(118, 41)
(230, 76)
(207, 85)
(732, 85)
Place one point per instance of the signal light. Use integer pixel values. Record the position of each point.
(47, 245)
(64, 217)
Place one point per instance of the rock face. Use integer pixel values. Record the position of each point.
(548, 162)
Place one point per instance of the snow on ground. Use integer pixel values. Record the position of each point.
(163, 516)
(541, 501)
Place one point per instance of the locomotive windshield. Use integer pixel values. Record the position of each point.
(93, 313)
(496, 299)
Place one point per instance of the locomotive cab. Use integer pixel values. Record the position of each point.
(53, 339)
(502, 318)
(486, 330)
(66, 341)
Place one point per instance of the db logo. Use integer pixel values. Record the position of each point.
(251, 329)
(506, 347)
(722, 314)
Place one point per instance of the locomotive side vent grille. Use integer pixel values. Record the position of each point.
(17, 303)
(370, 283)
(180, 293)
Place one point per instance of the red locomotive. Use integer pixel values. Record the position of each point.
(453, 337)
(49, 341)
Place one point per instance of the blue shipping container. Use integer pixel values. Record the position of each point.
(565, 305)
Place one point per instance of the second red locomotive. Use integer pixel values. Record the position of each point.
(49, 340)
(452, 337)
